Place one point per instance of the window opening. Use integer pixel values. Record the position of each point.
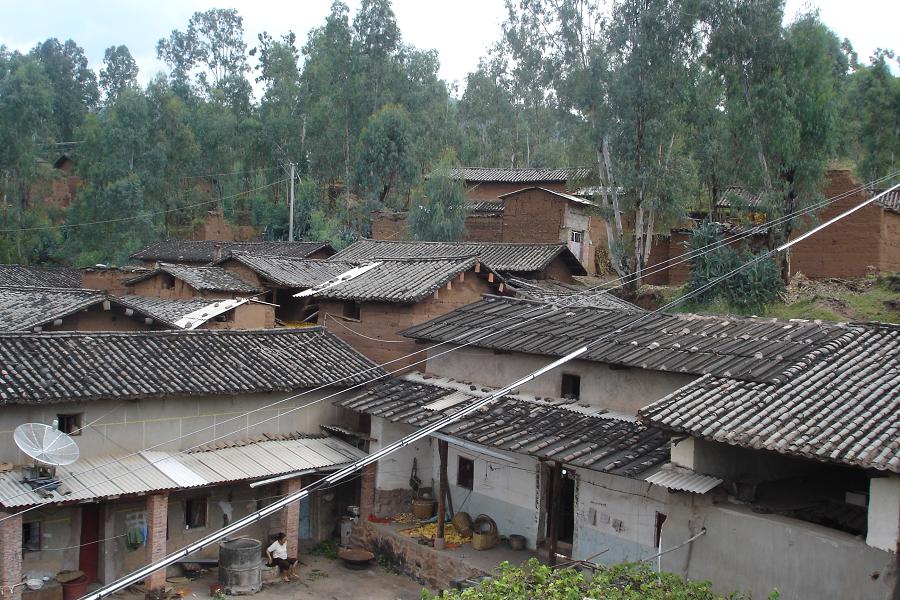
(70, 423)
(465, 473)
(571, 386)
(195, 513)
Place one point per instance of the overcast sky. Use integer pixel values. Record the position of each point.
(461, 30)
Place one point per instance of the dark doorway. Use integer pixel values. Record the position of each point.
(89, 553)
(567, 510)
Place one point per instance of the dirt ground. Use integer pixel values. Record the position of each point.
(321, 579)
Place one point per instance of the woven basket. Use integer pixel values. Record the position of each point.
(485, 536)
(462, 522)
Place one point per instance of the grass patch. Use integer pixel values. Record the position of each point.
(326, 548)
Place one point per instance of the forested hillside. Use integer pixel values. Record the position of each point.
(669, 101)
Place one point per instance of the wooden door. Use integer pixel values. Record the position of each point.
(89, 553)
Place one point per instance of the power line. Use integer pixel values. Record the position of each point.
(437, 425)
(685, 257)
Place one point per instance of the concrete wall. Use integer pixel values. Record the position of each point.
(884, 513)
(753, 552)
(60, 531)
(617, 516)
(622, 390)
(127, 426)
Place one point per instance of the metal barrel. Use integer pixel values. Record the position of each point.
(240, 565)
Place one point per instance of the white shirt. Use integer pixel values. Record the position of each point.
(277, 550)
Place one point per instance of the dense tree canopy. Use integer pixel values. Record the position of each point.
(668, 102)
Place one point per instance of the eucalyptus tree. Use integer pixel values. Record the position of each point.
(119, 71)
(438, 212)
(387, 154)
(74, 84)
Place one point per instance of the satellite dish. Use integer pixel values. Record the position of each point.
(46, 444)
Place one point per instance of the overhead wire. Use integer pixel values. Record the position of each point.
(685, 257)
(459, 413)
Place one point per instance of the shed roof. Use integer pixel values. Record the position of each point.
(23, 308)
(528, 175)
(292, 272)
(204, 279)
(546, 428)
(401, 281)
(73, 366)
(839, 402)
(168, 310)
(151, 471)
(744, 348)
(18, 275)
(206, 250)
(515, 258)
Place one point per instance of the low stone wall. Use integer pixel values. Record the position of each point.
(426, 565)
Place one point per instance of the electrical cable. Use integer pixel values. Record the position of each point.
(553, 308)
(435, 426)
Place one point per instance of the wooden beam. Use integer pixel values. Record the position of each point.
(555, 501)
(450, 285)
(491, 277)
(442, 494)
(106, 305)
(477, 267)
(462, 277)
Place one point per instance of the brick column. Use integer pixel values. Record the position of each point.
(11, 555)
(289, 517)
(367, 491)
(157, 517)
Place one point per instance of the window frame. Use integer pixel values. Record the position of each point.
(577, 236)
(65, 417)
(562, 386)
(352, 311)
(470, 470)
(188, 502)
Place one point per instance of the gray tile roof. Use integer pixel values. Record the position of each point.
(165, 310)
(890, 201)
(516, 258)
(205, 250)
(204, 279)
(401, 281)
(502, 175)
(23, 308)
(735, 195)
(545, 428)
(839, 403)
(292, 272)
(76, 366)
(740, 347)
(18, 275)
(485, 208)
(552, 291)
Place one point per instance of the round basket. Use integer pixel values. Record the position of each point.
(423, 508)
(462, 522)
(485, 533)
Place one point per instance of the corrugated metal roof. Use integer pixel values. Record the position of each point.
(838, 402)
(90, 479)
(547, 428)
(678, 478)
(745, 348)
(502, 257)
(512, 175)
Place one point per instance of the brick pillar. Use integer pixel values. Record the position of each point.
(11, 555)
(367, 491)
(157, 517)
(289, 517)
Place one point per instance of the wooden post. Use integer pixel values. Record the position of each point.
(442, 494)
(555, 496)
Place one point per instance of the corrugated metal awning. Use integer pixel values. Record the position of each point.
(678, 478)
(110, 476)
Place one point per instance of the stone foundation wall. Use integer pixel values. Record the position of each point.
(391, 502)
(426, 565)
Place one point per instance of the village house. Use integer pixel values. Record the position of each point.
(71, 309)
(179, 433)
(578, 421)
(526, 261)
(811, 467)
(282, 277)
(109, 278)
(204, 252)
(863, 242)
(367, 305)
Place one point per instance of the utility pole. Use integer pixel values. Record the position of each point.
(291, 214)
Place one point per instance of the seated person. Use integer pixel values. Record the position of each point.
(276, 554)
